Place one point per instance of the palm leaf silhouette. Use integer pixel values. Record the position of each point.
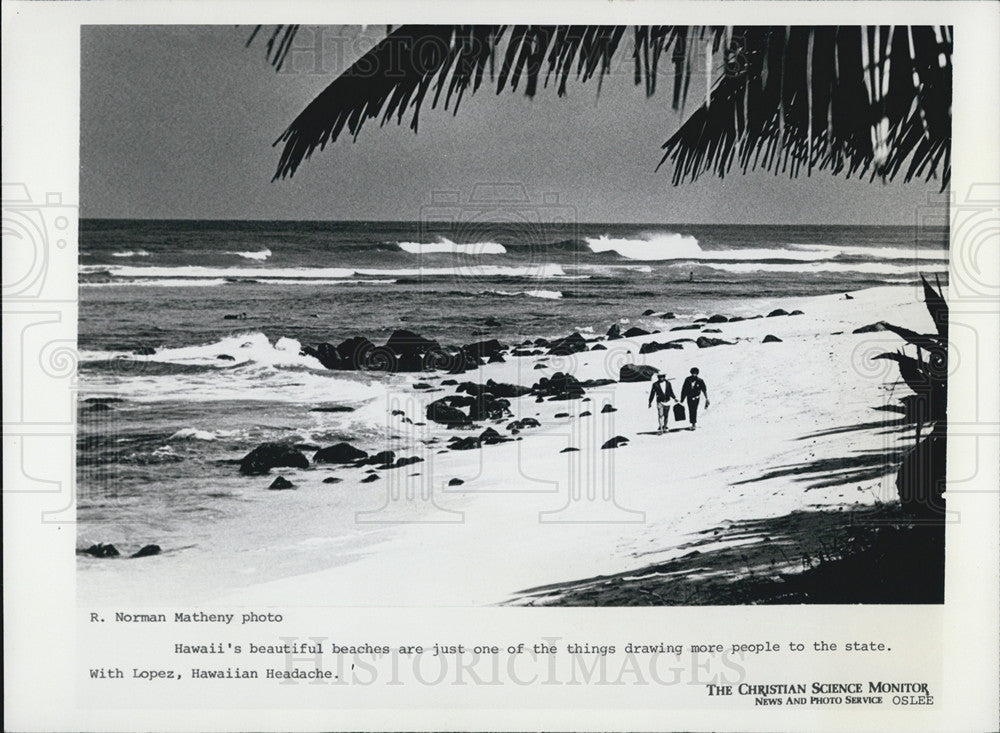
(860, 101)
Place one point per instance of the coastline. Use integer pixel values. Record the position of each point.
(794, 425)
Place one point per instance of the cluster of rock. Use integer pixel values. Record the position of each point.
(405, 351)
(102, 550)
(266, 456)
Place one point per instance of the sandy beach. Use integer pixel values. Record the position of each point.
(794, 426)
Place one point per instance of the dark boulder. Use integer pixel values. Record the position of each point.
(796, 313)
(147, 551)
(598, 347)
(685, 328)
(407, 461)
(770, 339)
(570, 450)
(615, 442)
(585, 413)
(615, 332)
(572, 344)
(711, 330)
(441, 412)
(561, 414)
(653, 346)
(490, 437)
(718, 319)
(609, 408)
(667, 316)
(635, 332)
(332, 480)
(704, 342)
(636, 373)
(648, 312)
(496, 359)
(225, 357)
(281, 484)
(412, 353)
(102, 550)
(456, 482)
(488, 407)
(524, 422)
(355, 353)
(735, 319)
(448, 382)
(326, 354)
(332, 408)
(559, 386)
(382, 459)
(777, 312)
(871, 328)
(370, 477)
(484, 349)
(272, 455)
(469, 443)
(339, 453)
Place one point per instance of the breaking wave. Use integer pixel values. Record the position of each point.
(260, 255)
(544, 294)
(446, 246)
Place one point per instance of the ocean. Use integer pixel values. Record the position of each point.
(162, 416)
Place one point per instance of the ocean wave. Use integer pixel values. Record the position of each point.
(260, 256)
(545, 294)
(193, 434)
(131, 253)
(158, 283)
(446, 246)
(872, 268)
(875, 253)
(257, 370)
(199, 272)
(608, 270)
(671, 246)
(668, 246)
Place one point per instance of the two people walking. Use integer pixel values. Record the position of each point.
(691, 392)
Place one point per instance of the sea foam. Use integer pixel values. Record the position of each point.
(446, 246)
(260, 255)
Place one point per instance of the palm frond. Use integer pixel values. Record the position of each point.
(278, 44)
(859, 101)
(937, 306)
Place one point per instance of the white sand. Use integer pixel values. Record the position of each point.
(529, 515)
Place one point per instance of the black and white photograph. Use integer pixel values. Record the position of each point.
(502, 366)
(514, 314)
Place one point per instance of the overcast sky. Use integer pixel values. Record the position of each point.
(178, 122)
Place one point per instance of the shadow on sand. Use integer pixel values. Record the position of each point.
(873, 555)
(855, 554)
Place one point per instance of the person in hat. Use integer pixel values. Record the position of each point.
(662, 393)
(692, 390)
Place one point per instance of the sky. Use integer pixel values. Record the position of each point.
(177, 122)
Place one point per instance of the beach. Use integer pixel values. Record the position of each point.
(802, 424)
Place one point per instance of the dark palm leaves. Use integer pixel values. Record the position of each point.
(928, 378)
(854, 100)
